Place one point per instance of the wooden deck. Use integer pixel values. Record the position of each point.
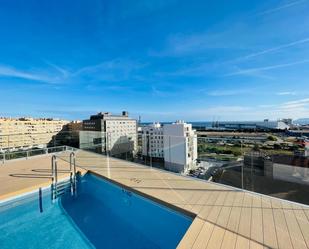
(23, 175)
(225, 217)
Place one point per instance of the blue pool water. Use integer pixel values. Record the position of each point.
(103, 215)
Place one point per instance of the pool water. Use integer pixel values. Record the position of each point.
(103, 215)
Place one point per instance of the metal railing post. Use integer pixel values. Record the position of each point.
(54, 176)
(73, 173)
(242, 167)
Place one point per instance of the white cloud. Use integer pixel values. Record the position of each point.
(293, 109)
(279, 8)
(286, 93)
(112, 70)
(261, 69)
(59, 69)
(290, 109)
(295, 104)
(6, 71)
(271, 50)
(228, 92)
(188, 44)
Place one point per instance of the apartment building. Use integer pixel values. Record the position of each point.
(24, 133)
(116, 134)
(176, 143)
(152, 141)
(69, 135)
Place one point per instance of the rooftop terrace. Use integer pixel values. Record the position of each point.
(225, 217)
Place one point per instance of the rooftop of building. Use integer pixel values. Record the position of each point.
(109, 115)
(30, 119)
(224, 217)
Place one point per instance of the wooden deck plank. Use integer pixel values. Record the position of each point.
(294, 230)
(276, 203)
(214, 215)
(238, 200)
(241, 242)
(266, 202)
(257, 223)
(244, 228)
(216, 238)
(269, 229)
(204, 236)
(284, 240)
(256, 201)
(234, 219)
(229, 240)
(247, 202)
(191, 235)
(303, 223)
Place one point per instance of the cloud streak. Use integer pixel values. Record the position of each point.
(218, 93)
(260, 69)
(6, 71)
(282, 7)
(286, 93)
(274, 49)
(112, 70)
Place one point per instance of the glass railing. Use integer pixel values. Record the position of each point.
(17, 154)
(269, 164)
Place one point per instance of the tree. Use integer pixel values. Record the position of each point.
(271, 138)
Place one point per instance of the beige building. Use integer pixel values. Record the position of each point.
(114, 133)
(24, 133)
(75, 126)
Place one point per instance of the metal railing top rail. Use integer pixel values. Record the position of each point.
(28, 153)
(85, 132)
(30, 133)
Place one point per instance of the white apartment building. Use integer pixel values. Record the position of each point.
(176, 143)
(24, 133)
(152, 141)
(114, 133)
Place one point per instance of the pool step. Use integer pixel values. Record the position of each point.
(63, 187)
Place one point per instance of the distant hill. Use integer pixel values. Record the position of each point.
(302, 121)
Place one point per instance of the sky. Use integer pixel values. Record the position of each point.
(162, 60)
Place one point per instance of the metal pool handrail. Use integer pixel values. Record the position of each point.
(59, 188)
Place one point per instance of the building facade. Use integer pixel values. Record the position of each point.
(176, 143)
(152, 141)
(69, 135)
(113, 133)
(25, 133)
(264, 125)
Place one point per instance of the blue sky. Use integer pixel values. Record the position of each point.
(161, 59)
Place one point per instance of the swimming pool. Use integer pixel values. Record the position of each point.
(103, 215)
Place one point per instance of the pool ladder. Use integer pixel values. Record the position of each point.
(60, 188)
